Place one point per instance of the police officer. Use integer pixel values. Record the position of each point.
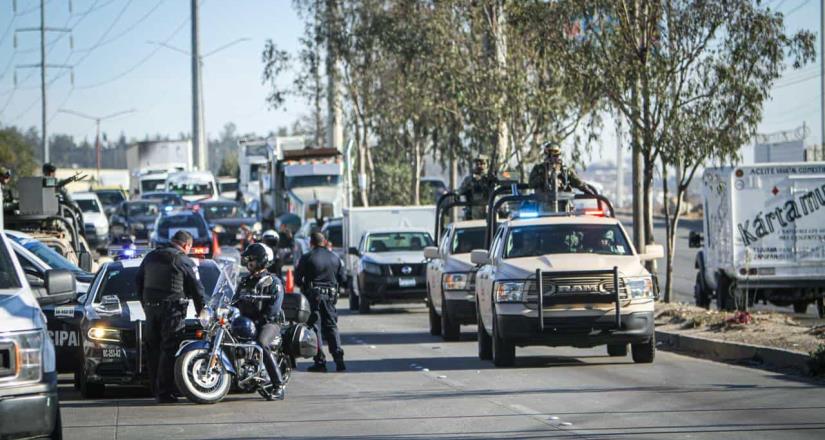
(319, 273)
(566, 178)
(165, 279)
(271, 239)
(264, 309)
(476, 188)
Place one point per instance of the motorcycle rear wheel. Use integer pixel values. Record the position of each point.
(207, 388)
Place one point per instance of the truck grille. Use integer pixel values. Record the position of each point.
(7, 367)
(576, 287)
(414, 270)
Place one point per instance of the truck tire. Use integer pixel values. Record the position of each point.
(724, 299)
(820, 308)
(435, 321)
(700, 291)
(57, 431)
(617, 350)
(91, 390)
(450, 328)
(645, 352)
(485, 342)
(504, 351)
(800, 307)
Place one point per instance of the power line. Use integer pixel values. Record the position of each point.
(128, 29)
(797, 8)
(798, 81)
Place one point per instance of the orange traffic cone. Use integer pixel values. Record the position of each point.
(289, 285)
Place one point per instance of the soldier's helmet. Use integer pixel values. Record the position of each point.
(551, 149)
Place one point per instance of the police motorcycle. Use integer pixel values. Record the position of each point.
(227, 354)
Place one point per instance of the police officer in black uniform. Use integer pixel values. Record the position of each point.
(166, 277)
(263, 307)
(319, 273)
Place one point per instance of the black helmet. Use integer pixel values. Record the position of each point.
(258, 254)
(48, 168)
(243, 328)
(270, 238)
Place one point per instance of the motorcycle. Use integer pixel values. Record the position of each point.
(206, 369)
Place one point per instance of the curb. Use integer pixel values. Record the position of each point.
(733, 352)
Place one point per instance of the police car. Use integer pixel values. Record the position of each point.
(450, 278)
(111, 321)
(563, 279)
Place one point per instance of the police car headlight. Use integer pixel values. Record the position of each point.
(510, 291)
(26, 355)
(205, 317)
(371, 268)
(640, 287)
(104, 334)
(456, 281)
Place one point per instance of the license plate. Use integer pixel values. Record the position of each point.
(406, 282)
(111, 353)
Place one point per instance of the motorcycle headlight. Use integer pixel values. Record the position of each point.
(640, 287)
(510, 291)
(456, 281)
(371, 268)
(104, 334)
(205, 317)
(26, 355)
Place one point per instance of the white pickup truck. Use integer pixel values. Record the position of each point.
(764, 236)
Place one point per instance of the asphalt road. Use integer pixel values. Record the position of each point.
(403, 383)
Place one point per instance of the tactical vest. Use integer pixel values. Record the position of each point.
(162, 274)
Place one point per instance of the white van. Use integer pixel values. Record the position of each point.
(193, 185)
(29, 405)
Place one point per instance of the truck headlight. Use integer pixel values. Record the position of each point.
(456, 281)
(510, 291)
(104, 334)
(27, 355)
(640, 287)
(371, 268)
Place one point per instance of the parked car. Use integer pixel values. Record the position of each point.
(204, 246)
(29, 402)
(225, 218)
(95, 221)
(111, 198)
(135, 219)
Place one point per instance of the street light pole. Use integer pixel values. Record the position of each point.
(97, 120)
(197, 104)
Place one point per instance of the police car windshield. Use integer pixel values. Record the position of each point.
(223, 210)
(398, 241)
(532, 241)
(192, 223)
(465, 240)
(120, 281)
(137, 209)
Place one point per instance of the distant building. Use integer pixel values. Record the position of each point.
(787, 151)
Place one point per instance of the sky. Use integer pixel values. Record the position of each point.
(122, 71)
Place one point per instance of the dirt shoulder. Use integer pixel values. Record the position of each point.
(767, 329)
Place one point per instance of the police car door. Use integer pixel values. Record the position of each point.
(485, 281)
(435, 275)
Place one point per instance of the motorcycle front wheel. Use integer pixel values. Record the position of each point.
(197, 382)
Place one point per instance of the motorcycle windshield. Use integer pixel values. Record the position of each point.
(224, 288)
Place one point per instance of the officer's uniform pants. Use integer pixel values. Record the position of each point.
(164, 332)
(266, 335)
(326, 327)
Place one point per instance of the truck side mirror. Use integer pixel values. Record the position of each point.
(480, 257)
(61, 287)
(695, 239)
(354, 251)
(85, 261)
(431, 252)
(652, 252)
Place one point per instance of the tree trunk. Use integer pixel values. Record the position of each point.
(649, 168)
(668, 243)
(416, 165)
(360, 138)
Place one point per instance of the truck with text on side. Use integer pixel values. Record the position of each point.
(764, 236)
(150, 162)
(307, 182)
(385, 247)
(253, 164)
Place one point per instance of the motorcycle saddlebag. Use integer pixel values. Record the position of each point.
(296, 307)
(303, 342)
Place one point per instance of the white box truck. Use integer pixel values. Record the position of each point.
(764, 236)
(402, 229)
(151, 161)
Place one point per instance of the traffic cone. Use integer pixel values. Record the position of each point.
(289, 285)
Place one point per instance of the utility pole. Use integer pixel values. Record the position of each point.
(199, 150)
(42, 29)
(619, 163)
(335, 126)
(97, 120)
(822, 77)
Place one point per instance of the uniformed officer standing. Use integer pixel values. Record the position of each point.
(319, 273)
(552, 168)
(165, 279)
(476, 189)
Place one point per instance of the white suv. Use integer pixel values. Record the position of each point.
(552, 281)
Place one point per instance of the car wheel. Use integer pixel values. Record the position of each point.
(800, 307)
(91, 390)
(700, 292)
(57, 431)
(820, 308)
(450, 328)
(485, 342)
(724, 296)
(504, 352)
(617, 350)
(645, 352)
(435, 320)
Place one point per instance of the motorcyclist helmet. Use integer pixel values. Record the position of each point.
(257, 256)
(243, 328)
(270, 238)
